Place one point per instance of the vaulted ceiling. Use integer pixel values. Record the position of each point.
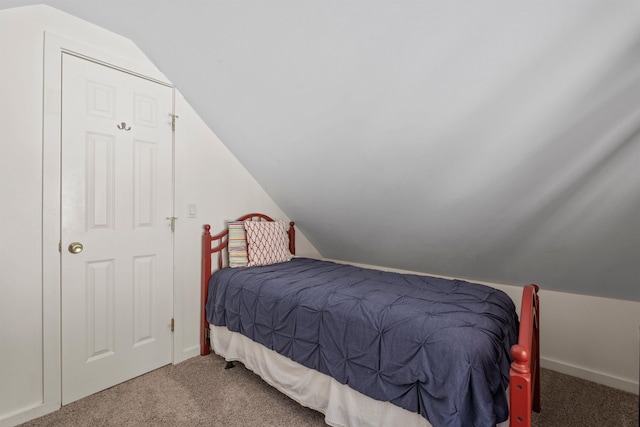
(493, 140)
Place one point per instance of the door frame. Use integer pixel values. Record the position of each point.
(54, 46)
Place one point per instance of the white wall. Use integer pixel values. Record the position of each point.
(20, 216)
(597, 339)
(208, 175)
(30, 42)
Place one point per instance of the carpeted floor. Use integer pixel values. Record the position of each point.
(200, 392)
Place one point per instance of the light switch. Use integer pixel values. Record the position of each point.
(192, 210)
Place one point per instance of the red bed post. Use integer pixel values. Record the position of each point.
(206, 273)
(524, 383)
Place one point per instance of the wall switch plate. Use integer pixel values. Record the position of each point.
(192, 210)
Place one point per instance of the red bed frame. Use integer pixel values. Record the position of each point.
(524, 375)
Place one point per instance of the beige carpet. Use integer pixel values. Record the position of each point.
(200, 392)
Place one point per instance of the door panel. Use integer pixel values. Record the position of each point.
(117, 158)
(100, 326)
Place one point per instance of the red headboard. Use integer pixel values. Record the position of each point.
(217, 244)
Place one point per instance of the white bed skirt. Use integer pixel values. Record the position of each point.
(341, 405)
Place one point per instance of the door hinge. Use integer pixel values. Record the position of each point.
(173, 324)
(173, 222)
(60, 246)
(173, 121)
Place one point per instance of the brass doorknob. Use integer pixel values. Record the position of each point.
(76, 247)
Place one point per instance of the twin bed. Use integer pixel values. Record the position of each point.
(363, 346)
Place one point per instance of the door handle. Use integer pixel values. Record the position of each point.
(76, 247)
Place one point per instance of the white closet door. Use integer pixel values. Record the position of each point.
(117, 161)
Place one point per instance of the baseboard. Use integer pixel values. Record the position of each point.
(589, 375)
(188, 353)
(28, 413)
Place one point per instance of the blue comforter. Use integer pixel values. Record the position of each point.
(433, 346)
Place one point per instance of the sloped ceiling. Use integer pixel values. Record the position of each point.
(493, 140)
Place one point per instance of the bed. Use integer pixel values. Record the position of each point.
(369, 347)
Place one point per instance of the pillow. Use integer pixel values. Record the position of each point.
(267, 242)
(237, 247)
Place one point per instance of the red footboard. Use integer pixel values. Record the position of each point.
(524, 384)
(216, 244)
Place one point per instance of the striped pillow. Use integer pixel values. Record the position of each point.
(237, 245)
(267, 242)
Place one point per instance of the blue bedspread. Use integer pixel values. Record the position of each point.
(433, 346)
